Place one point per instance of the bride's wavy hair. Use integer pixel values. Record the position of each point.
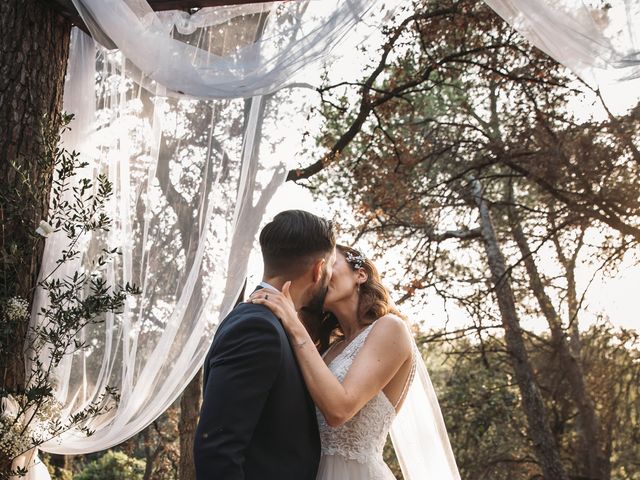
(374, 302)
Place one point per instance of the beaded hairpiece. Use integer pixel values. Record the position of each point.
(355, 260)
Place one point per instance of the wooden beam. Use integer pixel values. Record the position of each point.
(159, 5)
(68, 10)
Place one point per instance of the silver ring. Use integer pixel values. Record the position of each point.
(266, 296)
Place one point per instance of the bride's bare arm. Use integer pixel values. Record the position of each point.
(387, 347)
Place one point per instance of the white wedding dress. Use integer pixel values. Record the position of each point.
(353, 451)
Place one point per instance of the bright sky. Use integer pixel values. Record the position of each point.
(614, 297)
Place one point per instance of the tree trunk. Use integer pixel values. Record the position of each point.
(594, 463)
(58, 462)
(535, 411)
(150, 453)
(189, 411)
(34, 54)
(33, 60)
(68, 462)
(569, 265)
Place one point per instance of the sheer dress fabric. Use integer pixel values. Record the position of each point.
(353, 450)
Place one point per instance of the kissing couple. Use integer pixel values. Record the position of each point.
(304, 380)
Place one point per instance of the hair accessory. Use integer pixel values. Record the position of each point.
(356, 260)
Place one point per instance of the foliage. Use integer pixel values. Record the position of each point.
(483, 412)
(485, 420)
(612, 361)
(159, 446)
(113, 466)
(30, 413)
(156, 448)
(57, 472)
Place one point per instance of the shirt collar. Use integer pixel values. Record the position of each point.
(266, 285)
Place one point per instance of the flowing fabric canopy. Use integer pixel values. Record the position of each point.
(599, 43)
(187, 117)
(223, 52)
(591, 40)
(189, 191)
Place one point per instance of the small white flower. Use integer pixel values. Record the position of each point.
(16, 308)
(44, 229)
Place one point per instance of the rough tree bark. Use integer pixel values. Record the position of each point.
(595, 464)
(189, 411)
(150, 454)
(33, 60)
(547, 450)
(568, 263)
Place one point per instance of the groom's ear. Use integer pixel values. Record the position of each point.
(318, 267)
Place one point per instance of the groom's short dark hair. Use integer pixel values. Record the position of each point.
(293, 240)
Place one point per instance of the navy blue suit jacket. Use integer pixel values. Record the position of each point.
(257, 419)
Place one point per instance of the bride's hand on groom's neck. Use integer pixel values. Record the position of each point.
(283, 307)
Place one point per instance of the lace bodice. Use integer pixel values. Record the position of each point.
(362, 438)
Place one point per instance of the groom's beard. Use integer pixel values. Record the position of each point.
(316, 302)
(311, 314)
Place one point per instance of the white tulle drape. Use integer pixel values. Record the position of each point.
(296, 34)
(419, 433)
(192, 178)
(188, 197)
(586, 38)
(599, 42)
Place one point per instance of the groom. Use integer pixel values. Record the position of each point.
(257, 420)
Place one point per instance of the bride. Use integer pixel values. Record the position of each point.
(368, 362)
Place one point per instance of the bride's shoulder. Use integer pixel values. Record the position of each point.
(391, 320)
(391, 328)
